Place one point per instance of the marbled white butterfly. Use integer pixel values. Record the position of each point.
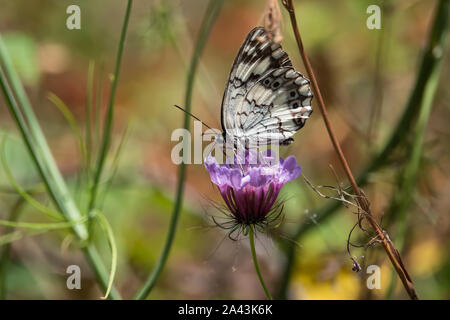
(266, 100)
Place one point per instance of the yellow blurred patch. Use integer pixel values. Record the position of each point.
(425, 257)
(344, 286)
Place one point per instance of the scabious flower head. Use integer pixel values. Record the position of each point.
(250, 187)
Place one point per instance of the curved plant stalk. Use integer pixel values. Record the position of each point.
(7, 238)
(91, 251)
(42, 225)
(208, 20)
(391, 251)
(98, 106)
(251, 237)
(55, 186)
(115, 163)
(35, 141)
(37, 146)
(10, 235)
(112, 244)
(109, 117)
(88, 114)
(27, 197)
(70, 118)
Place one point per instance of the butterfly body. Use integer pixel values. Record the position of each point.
(266, 100)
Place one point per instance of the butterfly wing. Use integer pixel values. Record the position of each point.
(274, 108)
(255, 58)
(266, 100)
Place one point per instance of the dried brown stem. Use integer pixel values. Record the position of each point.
(389, 247)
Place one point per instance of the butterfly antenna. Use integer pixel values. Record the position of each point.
(196, 118)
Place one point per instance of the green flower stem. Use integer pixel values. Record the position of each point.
(429, 61)
(209, 18)
(109, 117)
(251, 236)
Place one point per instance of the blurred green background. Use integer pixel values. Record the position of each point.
(365, 77)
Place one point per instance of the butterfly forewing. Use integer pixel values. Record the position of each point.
(266, 100)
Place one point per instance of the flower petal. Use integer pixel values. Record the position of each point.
(235, 178)
(251, 187)
(213, 168)
(257, 178)
(290, 169)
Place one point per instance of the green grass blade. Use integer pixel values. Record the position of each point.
(28, 198)
(36, 143)
(41, 226)
(115, 163)
(8, 238)
(109, 117)
(88, 112)
(70, 118)
(99, 268)
(98, 105)
(112, 243)
(43, 159)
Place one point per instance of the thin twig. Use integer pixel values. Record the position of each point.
(391, 251)
(381, 158)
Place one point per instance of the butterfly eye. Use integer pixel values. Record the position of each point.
(266, 82)
(295, 106)
(276, 84)
(293, 94)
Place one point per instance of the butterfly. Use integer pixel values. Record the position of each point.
(266, 101)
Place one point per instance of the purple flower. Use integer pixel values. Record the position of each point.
(250, 189)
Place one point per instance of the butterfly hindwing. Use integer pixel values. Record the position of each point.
(256, 57)
(275, 107)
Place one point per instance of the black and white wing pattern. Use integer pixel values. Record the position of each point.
(266, 100)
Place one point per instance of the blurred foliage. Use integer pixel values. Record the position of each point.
(161, 35)
(24, 54)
